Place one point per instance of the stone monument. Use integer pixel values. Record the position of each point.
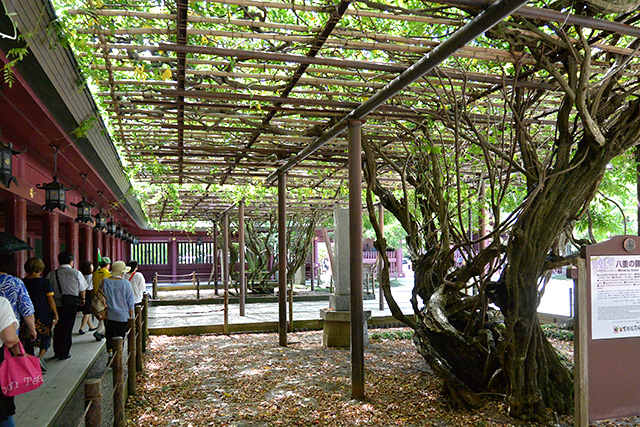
(337, 318)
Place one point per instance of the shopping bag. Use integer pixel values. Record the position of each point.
(19, 374)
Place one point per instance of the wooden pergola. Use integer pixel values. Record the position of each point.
(204, 94)
(222, 92)
(229, 92)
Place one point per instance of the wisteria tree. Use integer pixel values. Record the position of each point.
(527, 164)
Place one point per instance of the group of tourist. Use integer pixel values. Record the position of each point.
(47, 306)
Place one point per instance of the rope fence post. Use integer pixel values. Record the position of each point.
(131, 360)
(137, 331)
(145, 322)
(154, 286)
(197, 288)
(93, 399)
(118, 383)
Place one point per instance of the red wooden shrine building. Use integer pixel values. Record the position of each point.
(44, 111)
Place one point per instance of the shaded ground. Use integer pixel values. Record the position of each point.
(248, 380)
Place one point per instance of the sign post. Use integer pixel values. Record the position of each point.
(608, 331)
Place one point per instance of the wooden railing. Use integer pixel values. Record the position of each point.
(136, 336)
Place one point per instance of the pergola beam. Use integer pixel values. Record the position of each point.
(487, 19)
(182, 7)
(317, 44)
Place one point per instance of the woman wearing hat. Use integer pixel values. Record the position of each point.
(120, 303)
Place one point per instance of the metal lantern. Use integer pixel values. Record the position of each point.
(55, 195)
(119, 231)
(101, 221)
(199, 241)
(111, 227)
(84, 210)
(126, 236)
(6, 154)
(135, 240)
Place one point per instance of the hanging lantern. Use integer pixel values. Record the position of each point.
(84, 210)
(6, 154)
(55, 195)
(101, 221)
(111, 227)
(135, 240)
(199, 241)
(119, 232)
(55, 192)
(125, 235)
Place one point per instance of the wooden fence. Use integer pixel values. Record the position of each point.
(131, 357)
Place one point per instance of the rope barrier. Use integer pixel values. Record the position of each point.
(176, 275)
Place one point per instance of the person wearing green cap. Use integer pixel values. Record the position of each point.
(102, 272)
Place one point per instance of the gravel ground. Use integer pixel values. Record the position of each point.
(246, 380)
(73, 412)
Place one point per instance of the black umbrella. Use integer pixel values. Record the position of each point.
(10, 244)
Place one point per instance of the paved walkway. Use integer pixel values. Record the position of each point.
(212, 314)
(42, 406)
(556, 301)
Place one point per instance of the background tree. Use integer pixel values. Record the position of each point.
(301, 230)
(261, 241)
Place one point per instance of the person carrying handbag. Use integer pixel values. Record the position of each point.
(9, 338)
(69, 287)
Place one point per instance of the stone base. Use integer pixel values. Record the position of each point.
(337, 328)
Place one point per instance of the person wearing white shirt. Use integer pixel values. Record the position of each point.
(68, 282)
(9, 338)
(138, 284)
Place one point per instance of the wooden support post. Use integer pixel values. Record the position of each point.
(93, 397)
(197, 288)
(154, 286)
(581, 345)
(638, 188)
(482, 220)
(313, 263)
(118, 383)
(16, 224)
(145, 322)
(380, 261)
(355, 259)
(241, 275)
(282, 259)
(216, 259)
(193, 279)
(225, 269)
(138, 335)
(131, 360)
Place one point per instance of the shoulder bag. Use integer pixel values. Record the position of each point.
(99, 304)
(67, 300)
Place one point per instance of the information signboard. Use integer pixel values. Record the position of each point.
(615, 296)
(607, 369)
